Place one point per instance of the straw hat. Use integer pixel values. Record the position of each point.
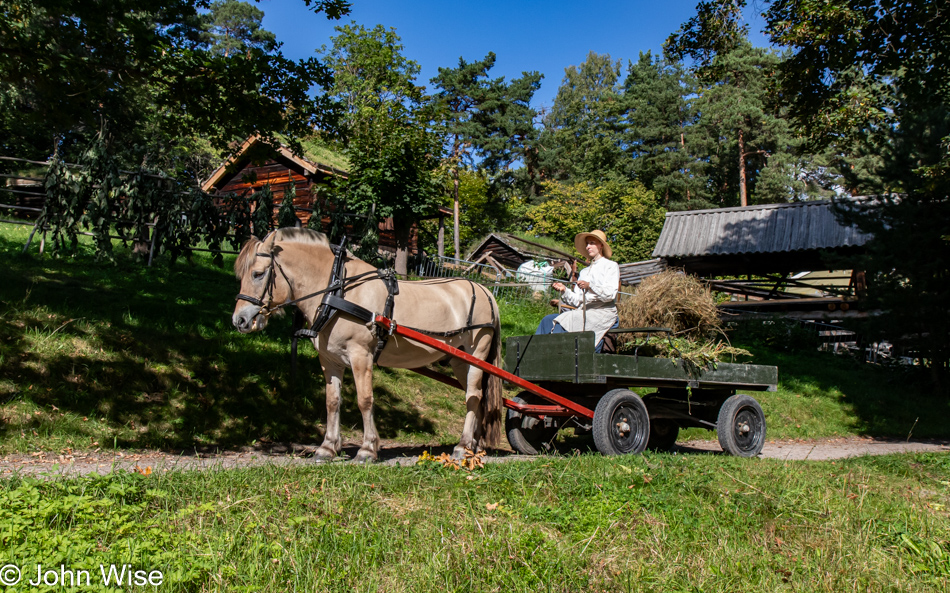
(580, 242)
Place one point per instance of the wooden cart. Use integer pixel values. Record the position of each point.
(565, 381)
(599, 399)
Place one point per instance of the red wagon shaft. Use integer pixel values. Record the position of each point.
(565, 406)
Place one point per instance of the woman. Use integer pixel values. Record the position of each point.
(594, 295)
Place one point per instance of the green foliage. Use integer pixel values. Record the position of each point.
(233, 27)
(871, 83)
(744, 129)
(262, 218)
(714, 31)
(487, 125)
(661, 128)
(82, 524)
(626, 211)
(286, 215)
(583, 132)
(651, 522)
(137, 66)
(391, 153)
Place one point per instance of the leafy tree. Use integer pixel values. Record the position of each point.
(661, 117)
(487, 123)
(462, 93)
(583, 133)
(883, 62)
(124, 84)
(69, 66)
(742, 122)
(511, 136)
(391, 153)
(716, 30)
(235, 26)
(627, 212)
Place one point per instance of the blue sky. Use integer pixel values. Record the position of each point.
(526, 35)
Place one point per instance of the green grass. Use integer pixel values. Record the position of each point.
(99, 355)
(586, 523)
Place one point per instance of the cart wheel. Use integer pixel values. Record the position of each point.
(621, 423)
(663, 433)
(526, 434)
(741, 426)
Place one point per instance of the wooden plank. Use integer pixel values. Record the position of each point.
(553, 357)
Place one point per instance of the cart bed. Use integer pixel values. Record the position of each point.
(570, 357)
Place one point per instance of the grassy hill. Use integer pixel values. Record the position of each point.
(95, 355)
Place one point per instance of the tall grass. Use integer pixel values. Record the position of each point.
(588, 523)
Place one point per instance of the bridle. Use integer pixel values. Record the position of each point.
(266, 309)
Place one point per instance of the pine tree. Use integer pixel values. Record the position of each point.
(583, 133)
(661, 123)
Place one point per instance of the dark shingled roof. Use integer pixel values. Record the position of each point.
(735, 240)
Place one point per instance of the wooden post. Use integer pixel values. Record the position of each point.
(441, 243)
(30, 240)
(151, 252)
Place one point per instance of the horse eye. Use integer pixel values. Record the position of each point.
(257, 275)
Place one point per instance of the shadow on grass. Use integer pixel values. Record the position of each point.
(149, 356)
(891, 400)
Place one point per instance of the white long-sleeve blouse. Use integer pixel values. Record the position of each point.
(600, 299)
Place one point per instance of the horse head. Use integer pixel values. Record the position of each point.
(266, 270)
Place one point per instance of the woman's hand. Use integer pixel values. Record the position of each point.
(583, 284)
(558, 287)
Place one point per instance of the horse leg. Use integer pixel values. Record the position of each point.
(471, 377)
(363, 377)
(332, 443)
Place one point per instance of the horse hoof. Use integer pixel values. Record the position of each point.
(323, 456)
(364, 457)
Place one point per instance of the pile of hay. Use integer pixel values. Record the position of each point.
(682, 303)
(675, 300)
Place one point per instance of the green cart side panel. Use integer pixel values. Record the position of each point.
(552, 357)
(570, 357)
(645, 370)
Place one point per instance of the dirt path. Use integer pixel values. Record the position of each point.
(73, 463)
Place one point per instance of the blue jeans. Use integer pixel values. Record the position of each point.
(548, 326)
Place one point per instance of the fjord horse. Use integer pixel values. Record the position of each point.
(293, 263)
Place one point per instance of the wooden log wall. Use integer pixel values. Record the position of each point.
(281, 175)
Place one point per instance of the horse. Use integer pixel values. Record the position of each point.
(292, 266)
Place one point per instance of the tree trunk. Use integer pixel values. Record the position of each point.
(455, 211)
(743, 201)
(402, 232)
(683, 148)
(441, 244)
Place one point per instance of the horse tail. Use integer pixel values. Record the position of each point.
(493, 406)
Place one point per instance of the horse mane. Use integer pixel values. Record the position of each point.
(243, 261)
(295, 235)
(286, 235)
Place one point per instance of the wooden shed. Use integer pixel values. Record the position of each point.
(256, 164)
(779, 258)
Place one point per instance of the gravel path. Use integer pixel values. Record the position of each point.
(73, 463)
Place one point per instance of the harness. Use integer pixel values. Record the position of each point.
(334, 301)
